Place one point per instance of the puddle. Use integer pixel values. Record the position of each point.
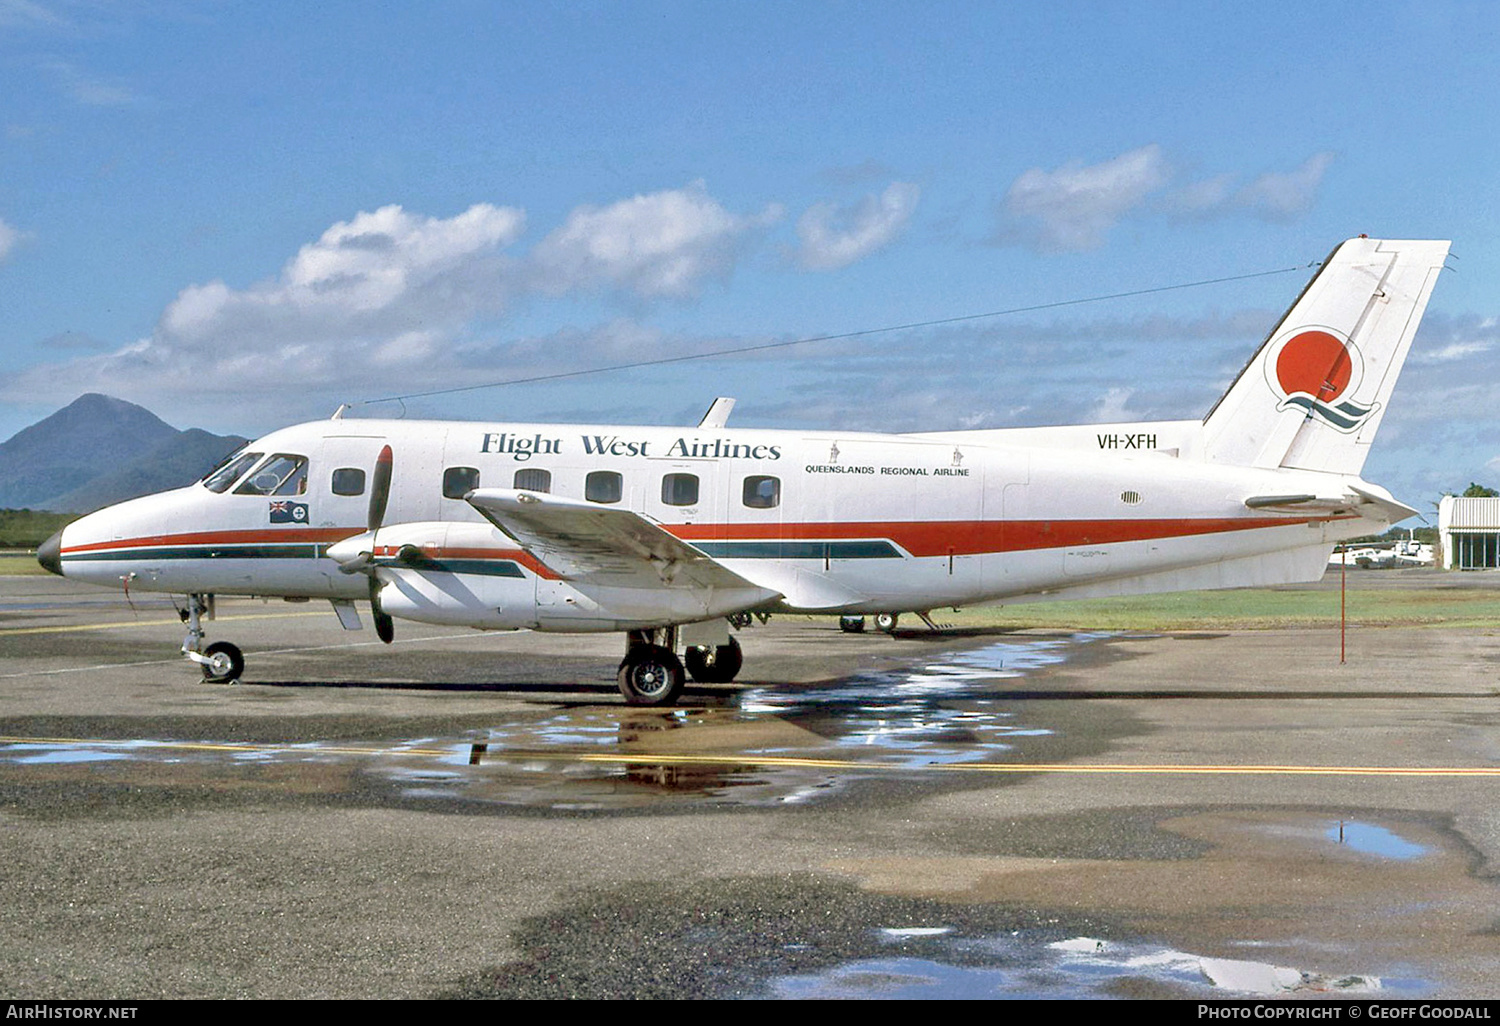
(1020, 967)
(51, 753)
(953, 710)
(1370, 839)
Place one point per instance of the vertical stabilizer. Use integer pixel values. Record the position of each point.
(1314, 394)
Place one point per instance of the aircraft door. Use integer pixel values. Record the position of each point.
(947, 486)
(341, 480)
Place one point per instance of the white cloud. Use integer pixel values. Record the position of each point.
(1454, 351)
(660, 244)
(374, 300)
(1202, 197)
(1281, 197)
(833, 237)
(379, 273)
(8, 239)
(1274, 196)
(389, 301)
(1075, 207)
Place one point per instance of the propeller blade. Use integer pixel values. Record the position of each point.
(385, 627)
(380, 489)
(380, 494)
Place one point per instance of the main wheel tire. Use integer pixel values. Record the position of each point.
(721, 669)
(225, 663)
(886, 622)
(852, 624)
(651, 675)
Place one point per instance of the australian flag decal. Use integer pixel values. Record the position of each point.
(288, 512)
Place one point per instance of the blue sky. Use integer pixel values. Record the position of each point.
(240, 216)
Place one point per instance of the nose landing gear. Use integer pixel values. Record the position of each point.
(221, 662)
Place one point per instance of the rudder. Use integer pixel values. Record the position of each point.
(1315, 392)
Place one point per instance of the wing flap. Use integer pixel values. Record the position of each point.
(588, 544)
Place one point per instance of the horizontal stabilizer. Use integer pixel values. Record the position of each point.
(1390, 508)
(1357, 501)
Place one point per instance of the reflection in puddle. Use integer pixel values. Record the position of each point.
(1016, 966)
(813, 739)
(47, 753)
(941, 713)
(1374, 840)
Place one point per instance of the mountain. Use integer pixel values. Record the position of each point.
(98, 450)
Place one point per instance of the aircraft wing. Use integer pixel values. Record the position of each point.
(588, 544)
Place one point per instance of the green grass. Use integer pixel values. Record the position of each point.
(1244, 609)
(19, 564)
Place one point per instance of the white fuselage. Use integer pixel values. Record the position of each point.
(832, 522)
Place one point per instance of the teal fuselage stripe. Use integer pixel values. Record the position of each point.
(798, 549)
(483, 567)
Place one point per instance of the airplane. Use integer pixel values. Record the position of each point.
(674, 536)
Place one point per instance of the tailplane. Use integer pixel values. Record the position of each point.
(1314, 394)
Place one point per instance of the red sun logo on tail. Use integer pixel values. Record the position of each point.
(1318, 372)
(1314, 363)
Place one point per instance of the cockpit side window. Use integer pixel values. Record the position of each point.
(282, 474)
(228, 472)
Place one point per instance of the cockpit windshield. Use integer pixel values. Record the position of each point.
(229, 470)
(282, 474)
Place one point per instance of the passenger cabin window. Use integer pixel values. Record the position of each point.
(349, 481)
(282, 474)
(459, 481)
(533, 480)
(228, 472)
(679, 489)
(603, 486)
(762, 492)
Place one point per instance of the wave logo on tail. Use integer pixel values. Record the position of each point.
(1318, 370)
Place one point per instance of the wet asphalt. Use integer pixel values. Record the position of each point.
(984, 813)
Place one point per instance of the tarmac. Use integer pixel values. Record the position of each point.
(986, 813)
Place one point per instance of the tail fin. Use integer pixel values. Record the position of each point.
(1314, 394)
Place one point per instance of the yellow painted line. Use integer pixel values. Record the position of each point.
(5, 631)
(784, 762)
(224, 746)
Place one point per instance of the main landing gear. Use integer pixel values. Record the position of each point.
(884, 622)
(221, 662)
(651, 673)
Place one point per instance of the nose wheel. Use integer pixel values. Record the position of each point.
(221, 662)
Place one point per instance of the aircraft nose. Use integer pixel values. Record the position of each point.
(49, 554)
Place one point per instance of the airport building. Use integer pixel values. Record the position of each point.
(1469, 533)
